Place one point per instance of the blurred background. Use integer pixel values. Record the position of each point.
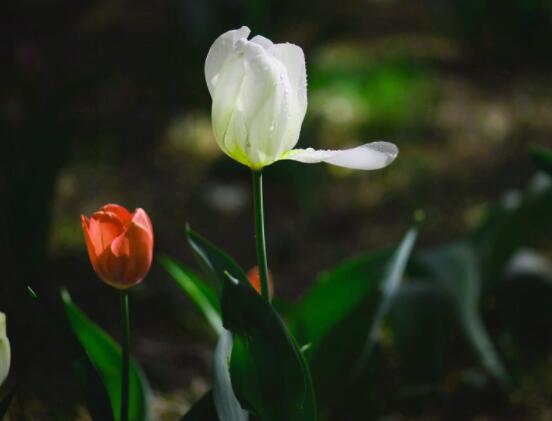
(105, 101)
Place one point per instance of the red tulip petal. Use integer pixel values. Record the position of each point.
(122, 213)
(112, 268)
(141, 218)
(104, 227)
(89, 244)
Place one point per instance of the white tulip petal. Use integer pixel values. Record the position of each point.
(371, 156)
(293, 58)
(221, 50)
(264, 104)
(262, 41)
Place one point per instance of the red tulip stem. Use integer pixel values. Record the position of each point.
(260, 232)
(125, 355)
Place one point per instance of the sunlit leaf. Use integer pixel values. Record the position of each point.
(106, 355)
(199, 291)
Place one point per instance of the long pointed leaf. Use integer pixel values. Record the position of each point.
(456, 268)
(106, 355)
(267, 368)
(95, 391)
(198, 290)
(214, 261)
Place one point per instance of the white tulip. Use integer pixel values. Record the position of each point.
(259, 93)
(5, 350)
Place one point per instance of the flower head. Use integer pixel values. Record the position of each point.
(259, 93)
(120, 244)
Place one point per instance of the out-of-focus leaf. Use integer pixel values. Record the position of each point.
(203, 410)
(342, 315)
(106, 355)
(519, 220)
(455, 266)
(268, 372)
(6, 401)
(226, 403)
(95, 391)
(421, 318)
(214, 260)
(543, 158)
(199, 291)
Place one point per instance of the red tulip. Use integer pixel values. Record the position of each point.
(120, 244)
(254, 278)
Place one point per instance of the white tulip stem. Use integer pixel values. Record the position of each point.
(260, 232)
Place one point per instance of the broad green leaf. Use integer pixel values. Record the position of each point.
(203, 410)
(95, 391)
(342, 315)
(199, 291)
(334, 296)
(455, 266)
(214, 260)
(543, 158)
(521, 219)
(106, 355)
(226, 403)
(344, 288)
(268, 372)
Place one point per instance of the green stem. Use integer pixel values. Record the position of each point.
(259, 231)
(125, 356)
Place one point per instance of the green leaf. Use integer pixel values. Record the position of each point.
(226, 403)
(456, 268)
(106, 355)
(543, 158)
(199, 291)
(94, 389)
(203, 410)
(342, 315)
(521, 219)
(421, 321)
(344, 288)
(214, 261)
(268, 371)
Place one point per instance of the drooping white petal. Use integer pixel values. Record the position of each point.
(221, 50)
(371, 156)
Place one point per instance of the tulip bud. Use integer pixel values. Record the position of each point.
(254, 278)
(5, 350)
(259, 93)
(120, 244)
